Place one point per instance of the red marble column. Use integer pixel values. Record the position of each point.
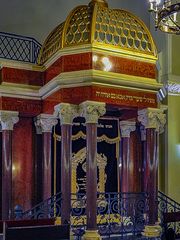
(66, 113)
(66, 151)
(91, 175)
(44, 124)
(153, 120)
(7, 120)
(151, 173)
(91, 111)
(143, 166)
(127, 157)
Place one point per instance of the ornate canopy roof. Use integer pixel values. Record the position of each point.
(98, 25)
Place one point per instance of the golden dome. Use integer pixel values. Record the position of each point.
(96, 24)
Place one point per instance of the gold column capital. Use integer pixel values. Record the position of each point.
(8, 119)
(92, 110)
(126, 128)
(66, 113)
(152, 118)
(44, 123)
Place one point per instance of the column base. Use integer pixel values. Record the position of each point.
(58, 221)
(91, 235)
(152, 231)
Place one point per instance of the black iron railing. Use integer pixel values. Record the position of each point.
(47, 209)
(117, 213)
(19, 48)
(167, 205)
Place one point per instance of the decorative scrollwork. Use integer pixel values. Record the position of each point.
(167, 205)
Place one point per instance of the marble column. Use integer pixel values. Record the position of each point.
(127, 158)
(153, 120)
(7, 120)
(143, 166)
(91, 111)
(44, 124)
(66, 112)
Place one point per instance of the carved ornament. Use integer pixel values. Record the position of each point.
(126, 128)
(8, 119)
(152, 118)
(92, 111)
(66, 113)
(44, 123)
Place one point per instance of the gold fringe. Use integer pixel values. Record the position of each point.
(102, 138)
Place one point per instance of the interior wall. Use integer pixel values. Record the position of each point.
(175, 55)
(174, 147)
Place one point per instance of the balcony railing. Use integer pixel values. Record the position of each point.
(19, 48)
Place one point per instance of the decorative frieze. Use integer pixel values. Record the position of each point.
(44, 123)
(126, 128)
(152, 118)
(8, 119)
(66, 113)
(92, 111)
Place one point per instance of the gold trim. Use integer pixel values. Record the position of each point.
(80, 134)
(146, 30)
(93, 23)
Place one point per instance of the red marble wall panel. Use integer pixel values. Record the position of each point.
(135, 167)
(21, 76)
(78, 62)
(127, 66)
(69, 63)
(22, 155)
(114, 96)
(25, 107)
(121, 97)
(68, 95)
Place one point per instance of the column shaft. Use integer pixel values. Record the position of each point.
(91, 176)
(151, 173)
(46, 166)
(6, 174)
(125, 164)
(66, 151)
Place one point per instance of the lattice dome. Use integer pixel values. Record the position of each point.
(97, 24)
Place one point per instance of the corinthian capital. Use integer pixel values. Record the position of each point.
(92, 111)
(66, 112)
(126, 128)
(44, 123)
(8, 119)
(152, 118)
